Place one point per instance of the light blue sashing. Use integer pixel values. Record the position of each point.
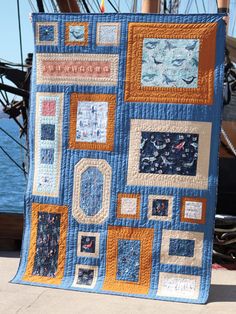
(91, 124)
(128, 263)
(170, 62)
(181, 247)
(76, 33)
(91, 191)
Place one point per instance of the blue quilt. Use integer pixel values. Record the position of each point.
(124, 136)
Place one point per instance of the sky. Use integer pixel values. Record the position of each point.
(9, 33)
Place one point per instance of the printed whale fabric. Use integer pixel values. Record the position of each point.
(124, 135)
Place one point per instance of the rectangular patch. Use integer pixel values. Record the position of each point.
(79, 69)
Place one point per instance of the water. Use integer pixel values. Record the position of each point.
(12, 181)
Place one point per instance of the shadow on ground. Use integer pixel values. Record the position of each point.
(222, 293)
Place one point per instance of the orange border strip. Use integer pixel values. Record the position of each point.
(76, 43)
(194, 199)
(111, 99)
(115, 234)
(33, 238)
(131, 216)
(203, 94)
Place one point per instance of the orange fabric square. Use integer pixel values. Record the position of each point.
(135, 199)
(145, 236)
(202, 94)
(193, 210)
(83, 41)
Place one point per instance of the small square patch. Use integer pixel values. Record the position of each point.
(108, 34)
(47, 33)
(49, 108)
(85, 276)
(48, 132)
(128, 206)
(76, 33)
(160, 207)
(193, 210)
(88, 244)
(47, 156)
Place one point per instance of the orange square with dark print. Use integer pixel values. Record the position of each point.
(76, 33)
(170, 63)
(92, 121)
(47, 251)
(193, 210)
(129, 260)
(128, 206)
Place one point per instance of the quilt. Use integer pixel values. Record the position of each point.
(124, 135)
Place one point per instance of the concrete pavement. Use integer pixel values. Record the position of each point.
(36, 300)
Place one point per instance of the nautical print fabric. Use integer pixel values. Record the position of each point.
(124, 131)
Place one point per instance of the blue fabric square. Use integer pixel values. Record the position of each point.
(160, 207)
(46, 33)
(48, 132)
(182, 247)
(47, 156)
(128, 263)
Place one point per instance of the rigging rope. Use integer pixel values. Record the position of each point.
(9, 135)
(20, 36)
(6, 153)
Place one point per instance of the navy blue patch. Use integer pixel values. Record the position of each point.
(47, 245)
(48, 132)
(181, 247)
(88, 244)
(160, 207)
(85, 276)
(169, 153)
(128, 263)
(46, 33)
(47, 156)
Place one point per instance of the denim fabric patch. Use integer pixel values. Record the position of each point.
(46, 33)
(91, 125)
(47, 156)
(181, 247)
(160, 207)
(47, 245)
(76, 33)
(88, 244)
(91, 191)
(168, 153)
(85, 276)
(48, 132)
(128, 263)
(170, 62)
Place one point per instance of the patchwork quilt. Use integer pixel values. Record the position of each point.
(124, 135)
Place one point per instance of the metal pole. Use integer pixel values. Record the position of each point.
(151, 6)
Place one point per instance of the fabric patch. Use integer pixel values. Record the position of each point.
(128, 206)
(178, 286)
(47, 244)
(91, 191)
(48, 108)
(144, 237)
(168, 153)
(188, 250)
(47, 156)
(76, 34)
(78, 69)
(160, 207)
(84, 193)
(128, 261)
(151, 139)
(108, 34)
(48, 143)
(88, 244)
(47, 33)
(163, 53)
(170, 62)
(92, 121)
(180, 247)
(85, 276)
(193, 210)
(48, 132)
